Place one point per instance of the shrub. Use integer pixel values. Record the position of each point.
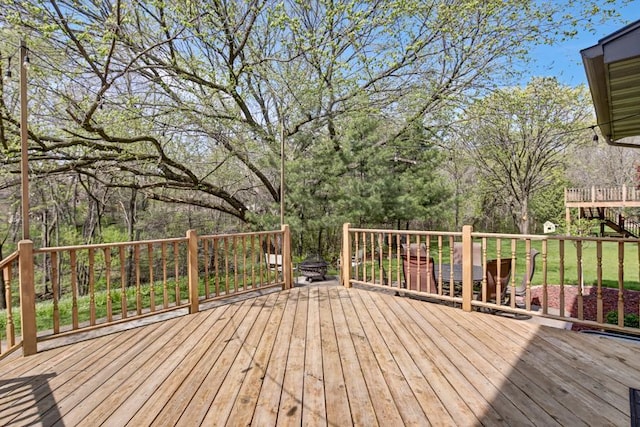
(631, 320)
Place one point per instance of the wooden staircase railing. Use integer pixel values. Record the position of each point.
(619, 223)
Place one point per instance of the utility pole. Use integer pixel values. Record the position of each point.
(24, 140)
(282, 171)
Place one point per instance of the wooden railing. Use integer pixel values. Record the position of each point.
(9, 289)
(65, 290)
(620, 195)
(625, 224)
(588, 282)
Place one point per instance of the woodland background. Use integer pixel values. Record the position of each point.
(149, 118)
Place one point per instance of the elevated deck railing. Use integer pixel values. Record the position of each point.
(589, 282)
(80, 288)
(602, 196)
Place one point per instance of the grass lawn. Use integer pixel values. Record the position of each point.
(569, 266)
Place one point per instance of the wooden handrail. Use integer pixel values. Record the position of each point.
(142, 275)
(569, 270)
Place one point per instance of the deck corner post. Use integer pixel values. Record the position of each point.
(467, 267)
(345, 261)
(27, 298)
(287, 265)
(192, 270)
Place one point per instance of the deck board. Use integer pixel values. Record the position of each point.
(320, 354)
(363, 412)
(271, 391)
(336, 401)
(409, 360)
(313, 393)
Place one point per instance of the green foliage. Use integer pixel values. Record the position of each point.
(581, 227)
(518, 138)
(548, 203)
(351, 87)
(370, 179)
(631, 320)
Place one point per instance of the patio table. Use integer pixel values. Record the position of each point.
(446, 269)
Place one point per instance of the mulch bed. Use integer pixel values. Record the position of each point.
(589, 295)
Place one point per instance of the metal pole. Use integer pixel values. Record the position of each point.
(24, 139)
(282, 172)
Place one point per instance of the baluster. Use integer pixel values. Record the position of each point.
(226, 265)
(107, 276)
(514, 247)
(55, 288)
(545, 295)
(389, 255)
(599, 300)
(136, 260)
(205, 255)
(580, 280)
(561, 266)
(527, 269)
(176, 266)
(152, 284)
(418, 262)
(252, 245)
(429, 267)
(216, 265)
(123, 283)
(92, 296)
(74, 288)
(372, 244)
(234, 248)
(398, 261)
(10, 326)
(620, 283)
(440, 255)
(165, 287)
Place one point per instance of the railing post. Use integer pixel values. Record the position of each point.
(287, 267)
(467, 267)
(345, 256)
(27, 298)
(192, 271)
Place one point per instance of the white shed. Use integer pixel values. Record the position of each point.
(549, 227)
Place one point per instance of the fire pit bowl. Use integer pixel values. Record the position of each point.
(313, 268)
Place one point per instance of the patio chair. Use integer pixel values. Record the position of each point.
(357, 258)
(274, 261)
(457, 253)
(493, 279)
(419, 273)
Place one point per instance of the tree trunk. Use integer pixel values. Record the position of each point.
(524, 222)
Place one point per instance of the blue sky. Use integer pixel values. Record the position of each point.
(564, 61)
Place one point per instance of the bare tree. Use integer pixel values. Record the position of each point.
(519, 136)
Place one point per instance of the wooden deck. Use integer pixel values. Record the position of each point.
(326, 355)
